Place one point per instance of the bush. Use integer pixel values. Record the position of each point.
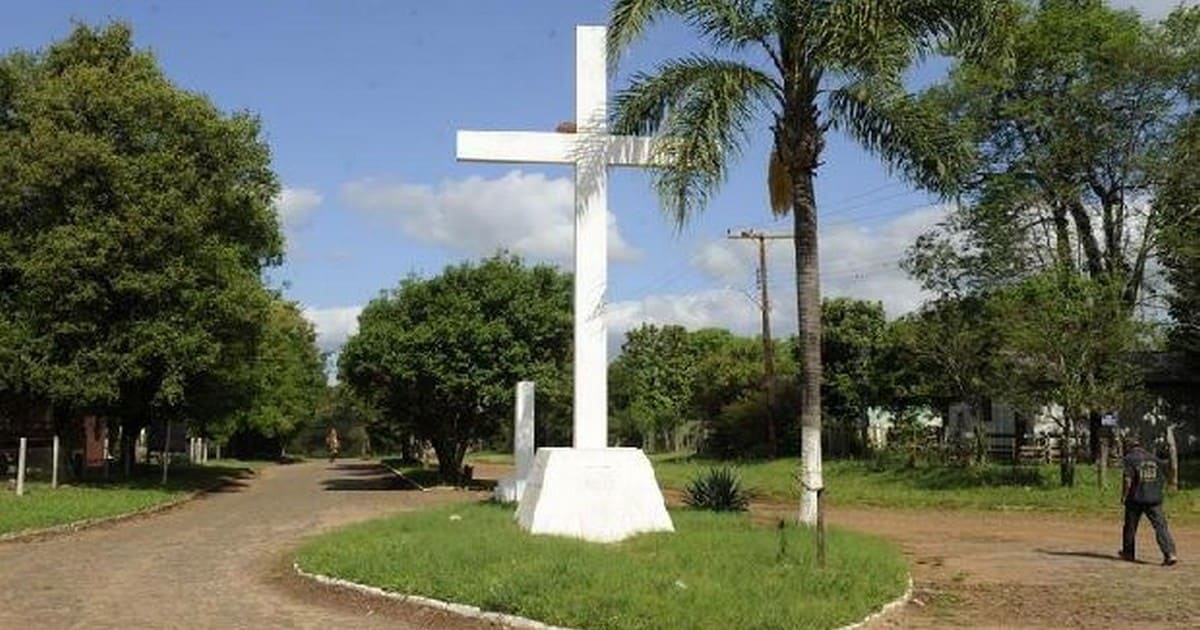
(718, 489)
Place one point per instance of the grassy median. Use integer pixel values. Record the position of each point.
(716, 571)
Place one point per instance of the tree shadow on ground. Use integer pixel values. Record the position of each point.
(376, 482)
(1090, 555)
(180, 478)
(359, 469)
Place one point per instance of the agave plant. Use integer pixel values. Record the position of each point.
(718, 489)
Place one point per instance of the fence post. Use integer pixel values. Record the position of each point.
(54, 465)
(21, 467)
(105, 459)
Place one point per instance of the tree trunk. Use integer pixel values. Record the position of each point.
(808, 303)
(1102, 462)
(449, 458)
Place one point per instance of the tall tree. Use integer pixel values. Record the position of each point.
(135, 220)
(1178, 192)
(823, 65)
(441, 355)
(1070, 137)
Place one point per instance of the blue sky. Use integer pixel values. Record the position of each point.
(360, 102)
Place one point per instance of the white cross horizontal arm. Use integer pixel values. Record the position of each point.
(556, 148)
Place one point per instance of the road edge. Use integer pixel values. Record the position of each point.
(464, 610)
(887, 609)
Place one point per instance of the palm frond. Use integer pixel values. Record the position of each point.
(702, 107)
(630, 18)
(864, 38)
(728, 23)
(881, 37)
(905, 135)
(732, 24)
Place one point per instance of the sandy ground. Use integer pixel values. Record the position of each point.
(998, 570)
(224, 561)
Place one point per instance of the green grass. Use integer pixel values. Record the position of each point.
(716, 571)
(994, 487)
(42, 506)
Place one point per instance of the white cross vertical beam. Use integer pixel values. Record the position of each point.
(591, 245)
(591, 151)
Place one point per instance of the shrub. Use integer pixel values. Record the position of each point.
(718, 489)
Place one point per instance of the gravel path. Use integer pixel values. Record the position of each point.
(222, 561)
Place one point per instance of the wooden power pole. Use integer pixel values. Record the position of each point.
(768, 347)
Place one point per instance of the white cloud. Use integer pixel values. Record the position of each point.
(296, 204)
(726, 308)
(864, 262)
(1153, 9)
(713, 308)
(526, 213)
(334, 325)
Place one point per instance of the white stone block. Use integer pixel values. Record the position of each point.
(599, 495)
(509, 489)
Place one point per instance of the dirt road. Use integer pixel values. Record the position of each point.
(222, 561)
(997, 570)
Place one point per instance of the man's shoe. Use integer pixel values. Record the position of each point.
(1170, 561)
(1127, 557)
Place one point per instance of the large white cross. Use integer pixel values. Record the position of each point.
(591, 150)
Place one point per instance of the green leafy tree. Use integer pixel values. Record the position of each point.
(1070, 136)
(654, 375)
(825, 65)
(289, 376)
(853, 339)
(441, 356)
(1180, 196)
(1066, 344)
(135, 220)
(945, 354)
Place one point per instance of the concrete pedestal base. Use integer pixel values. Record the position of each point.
(599, 495)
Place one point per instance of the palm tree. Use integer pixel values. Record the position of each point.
(803, 67)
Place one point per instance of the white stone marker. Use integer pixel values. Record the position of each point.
(54, 465)
(590, 491)
(510, 488)
(21, 465)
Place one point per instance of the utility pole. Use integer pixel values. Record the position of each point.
(768, 347)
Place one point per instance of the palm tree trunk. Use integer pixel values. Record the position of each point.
(808, 302)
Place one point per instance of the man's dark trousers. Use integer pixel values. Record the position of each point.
(1154, 512)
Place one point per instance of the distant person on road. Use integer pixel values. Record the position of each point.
(331, 443)
(1145, 476)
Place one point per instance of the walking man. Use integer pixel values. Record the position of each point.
(1145, 476)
